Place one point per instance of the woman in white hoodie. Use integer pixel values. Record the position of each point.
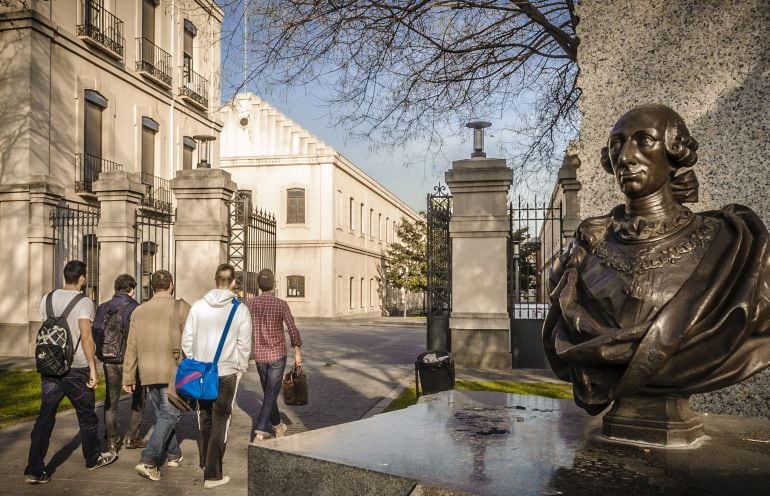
(202, 333)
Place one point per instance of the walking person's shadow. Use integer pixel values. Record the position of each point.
(63, 454)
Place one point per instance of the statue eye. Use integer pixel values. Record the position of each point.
(646, 140)
(616, 144)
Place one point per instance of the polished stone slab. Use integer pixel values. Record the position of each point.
(500, 444)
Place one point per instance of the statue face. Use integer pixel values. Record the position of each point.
(637, 153)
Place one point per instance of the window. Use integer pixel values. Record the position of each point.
(148, 25)
(361, 294)
(187, 47)
(339, 209)
(149, 129)
(295, 206)
(350, 214)
(351, 292)
(361, 216)
(188, 146)
(91, 164)
(371, 292)
(371, 222)
(379, 227)
(387, 227)
(295, 287)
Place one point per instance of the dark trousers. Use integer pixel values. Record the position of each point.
(214, 422)
(54, 389)
(271, 377)
(113, 376)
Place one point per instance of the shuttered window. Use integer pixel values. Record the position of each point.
(188, 145)
(92, 136)
(148, 148)
(295, 206)
(187, 45)
(148, 20)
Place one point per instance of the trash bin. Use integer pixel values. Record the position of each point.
(434, 371)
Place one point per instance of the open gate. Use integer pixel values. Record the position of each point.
(439, 295)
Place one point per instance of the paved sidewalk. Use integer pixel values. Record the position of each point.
(354, 370)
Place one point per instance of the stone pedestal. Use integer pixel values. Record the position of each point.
(120, 194)
(479, 322)
(201, 228)
(665, 421)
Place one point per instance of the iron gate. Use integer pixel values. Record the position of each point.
(74, 232)
(252, 242)
(439, 297)
(535, 242)
(153, 247)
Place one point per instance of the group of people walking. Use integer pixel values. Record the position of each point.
(155, 336)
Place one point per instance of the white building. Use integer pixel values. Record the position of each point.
(90, 86)
(333, 221)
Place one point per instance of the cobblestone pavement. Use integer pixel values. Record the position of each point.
(353, 368)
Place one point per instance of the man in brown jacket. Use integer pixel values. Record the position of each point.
(153, 341)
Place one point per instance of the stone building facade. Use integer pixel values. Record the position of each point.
(92, 87)
(333, 221)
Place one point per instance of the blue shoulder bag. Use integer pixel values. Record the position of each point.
(200, 380)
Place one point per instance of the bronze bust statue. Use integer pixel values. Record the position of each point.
(652, 302)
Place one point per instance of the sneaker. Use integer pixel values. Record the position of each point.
(174, 462)
(135, 443)
(104, 459)
(280, 429)
(148, 472)
(261, 436)
(43, 478)
(214, 483)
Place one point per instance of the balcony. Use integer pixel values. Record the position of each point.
(157, 193)
(153, 62)
(88, 169)
(194, 88)
(101, 29)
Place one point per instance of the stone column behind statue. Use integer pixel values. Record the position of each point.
(479, 320)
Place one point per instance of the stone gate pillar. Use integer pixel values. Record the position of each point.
(201, 228)
(120, 194)
(479, 322)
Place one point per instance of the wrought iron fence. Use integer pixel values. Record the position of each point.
(252, 242)
(157, 193)
(101, 26)
(153, 60)
(439, 248)
(194, 86)
(534, 243)
(154, 249)
(74, 233)
(88, 169)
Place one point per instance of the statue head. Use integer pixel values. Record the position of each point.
(646, 147)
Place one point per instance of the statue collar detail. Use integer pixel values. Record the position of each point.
(637, 228)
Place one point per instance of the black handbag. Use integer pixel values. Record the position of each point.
(295, 387)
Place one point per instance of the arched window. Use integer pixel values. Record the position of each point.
(295, 206)
(295, 287)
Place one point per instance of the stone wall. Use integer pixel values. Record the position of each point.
(707, 59)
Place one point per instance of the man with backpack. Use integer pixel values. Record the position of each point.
(111, 335)
(64, 356)
(153, 346)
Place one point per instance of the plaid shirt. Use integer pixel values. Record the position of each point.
(268, 314)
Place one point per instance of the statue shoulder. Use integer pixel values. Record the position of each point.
(593, 229)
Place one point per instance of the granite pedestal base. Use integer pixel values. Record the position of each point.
(665, 421)
(463, 442)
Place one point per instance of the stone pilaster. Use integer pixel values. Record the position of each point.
(120, 194)
(479, 320)
(570, 186)
(201, 228)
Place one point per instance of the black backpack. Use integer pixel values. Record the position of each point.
(53, 344)
(110, 336)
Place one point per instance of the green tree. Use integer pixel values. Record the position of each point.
(406, 264)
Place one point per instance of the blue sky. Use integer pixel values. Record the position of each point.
(405, 171)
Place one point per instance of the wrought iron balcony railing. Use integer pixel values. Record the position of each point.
(102, 28)
(88, 169)
(153, 61)
(157, 193)
(194, 87)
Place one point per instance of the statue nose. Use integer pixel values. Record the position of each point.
(627, 154)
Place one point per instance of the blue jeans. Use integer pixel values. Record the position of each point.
(162, 444)
(54, 389)
(271, 377)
